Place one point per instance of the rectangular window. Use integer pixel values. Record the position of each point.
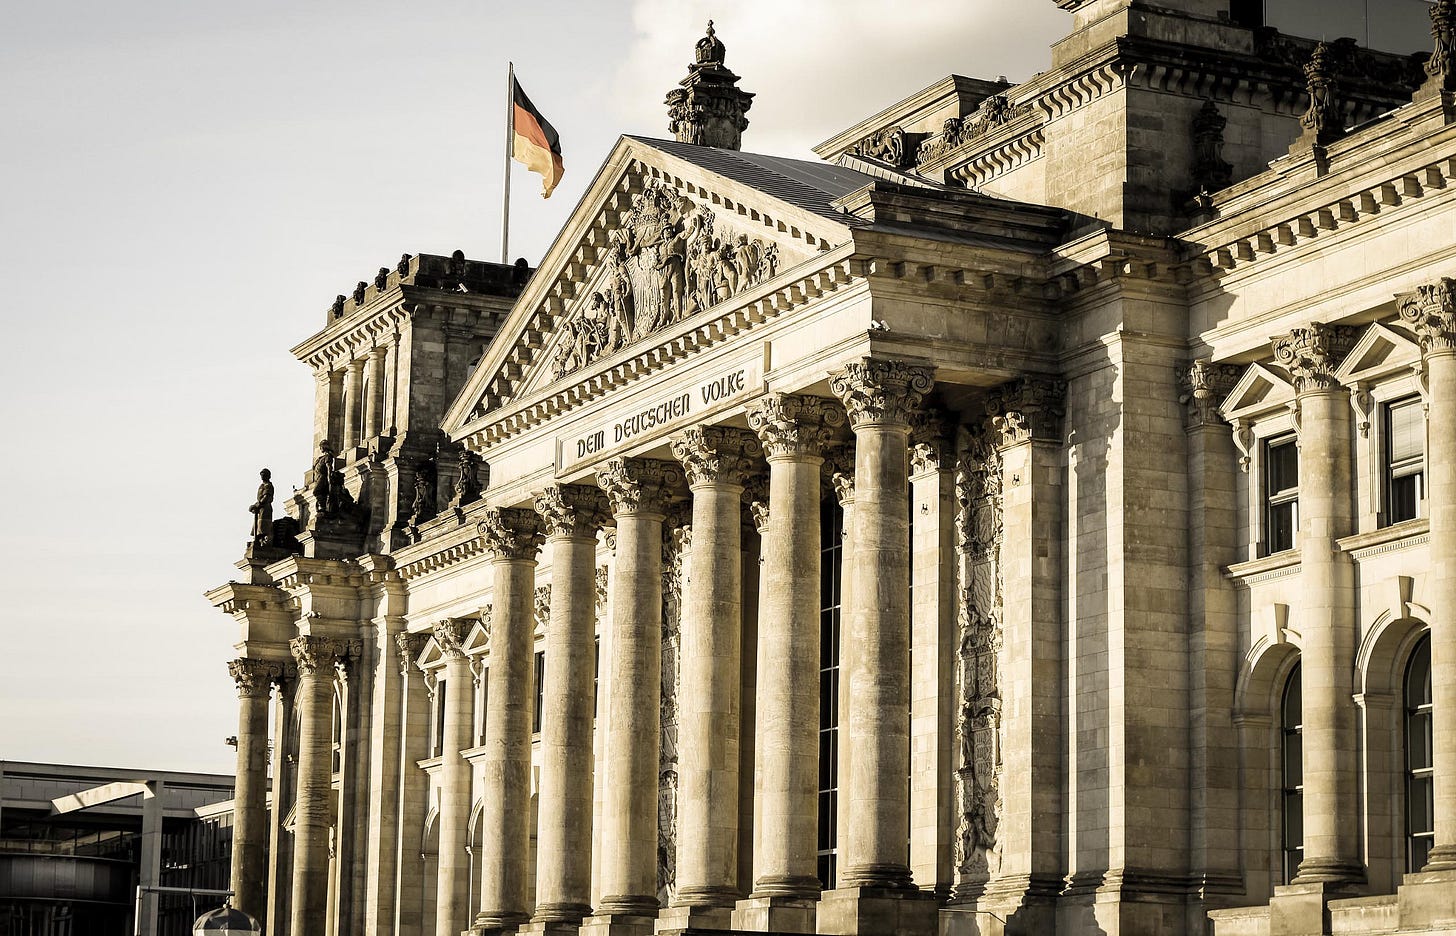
(1405, 459)
(540, 691)
(1281, 494)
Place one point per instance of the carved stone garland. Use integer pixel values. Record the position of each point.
(664, 263)
(979, 527)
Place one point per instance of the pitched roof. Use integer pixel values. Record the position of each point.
(810, 185)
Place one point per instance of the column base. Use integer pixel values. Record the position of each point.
(1428, 900)
(775, 914)
(491, 924)
(551, 928)
(878, 911)
(1303, 909)
(1330, 871)
(678, 920)
(618, 924)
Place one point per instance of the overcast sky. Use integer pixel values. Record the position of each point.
(187, 185)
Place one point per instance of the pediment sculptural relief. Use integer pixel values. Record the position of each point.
(664, 262)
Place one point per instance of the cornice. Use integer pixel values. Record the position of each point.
(239, 598)
(1265, 568)
(1392, 538)
(459, 545)
(916, 107)
(1367, 176)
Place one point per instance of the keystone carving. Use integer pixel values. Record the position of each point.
(572, 510)
(716, 454)
(1027, 409)
(792, 426)
(1431, 312)
(881, 392)
(450, 637)
(512, 532)
(1313, 354)
(639, 485)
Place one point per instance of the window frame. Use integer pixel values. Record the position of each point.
(1390, 471)
(1271, 501)
(1290, 855)
(1418, 844)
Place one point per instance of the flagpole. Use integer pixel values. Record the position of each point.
(510, 140)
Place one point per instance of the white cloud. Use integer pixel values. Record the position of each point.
(819, 66)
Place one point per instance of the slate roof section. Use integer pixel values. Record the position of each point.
(811, 186)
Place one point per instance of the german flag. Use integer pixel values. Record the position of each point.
(534, 142)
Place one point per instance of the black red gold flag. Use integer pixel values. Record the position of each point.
(535, 144)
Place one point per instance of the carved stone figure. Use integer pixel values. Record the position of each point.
(708, 108)
(325, 490)
(423, 507)
(1210, 171)
(1441, 66)
(1322, 122)
(262, 509)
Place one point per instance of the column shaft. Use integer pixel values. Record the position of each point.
(709, 706)
(1327, 618)
(564, 830)
(1441, 502)
(374, 398)
(877, 647)
(353, 390)
(280, 840)
(637, 490)
(452, 915)
(510, 699)
(313, 812)
(250, 813)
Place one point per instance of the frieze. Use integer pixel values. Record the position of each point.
(995, 111)
(892, 146)
(664, 262)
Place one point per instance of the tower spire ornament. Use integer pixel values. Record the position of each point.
(708, 108)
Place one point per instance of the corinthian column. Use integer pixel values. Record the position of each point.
(881, 397)
(452, 913)
(315, 657)
(794, 431)
(1431, 310)
(638, 489)
(572, 514)
(717, 462)
(514, 537)
(250, 811)
(1327, 585)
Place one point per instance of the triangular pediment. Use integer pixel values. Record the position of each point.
(1259, 390)
(1379, 352)
(668, 235)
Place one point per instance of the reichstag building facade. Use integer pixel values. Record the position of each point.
(1036, 516)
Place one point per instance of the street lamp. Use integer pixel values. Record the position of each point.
(226, 921)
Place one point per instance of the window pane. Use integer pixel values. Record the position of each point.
(1421, 806)
(1281, 527)
(1405, 498)
(1406, 427)
(1283, 473)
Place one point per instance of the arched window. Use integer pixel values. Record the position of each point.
(1420, 805)
(1291, 783)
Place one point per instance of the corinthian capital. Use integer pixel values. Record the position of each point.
(450, 637)
(639, 485)
(879, 392)
(716, 454)
(930, 444)
(316, 654)
(839, 472)
(254, 676)
(1313, 354)
(792, 426)
(572, 510)
(1431, 312)
(1204, 384)
(408, 647)
(512, 532)
(1026, 409)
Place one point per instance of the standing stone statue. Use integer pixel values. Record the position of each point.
(262, 509)
(325, 495)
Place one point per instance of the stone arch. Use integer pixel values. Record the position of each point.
(1380, 664)
(1257, 697)
(474, 834)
